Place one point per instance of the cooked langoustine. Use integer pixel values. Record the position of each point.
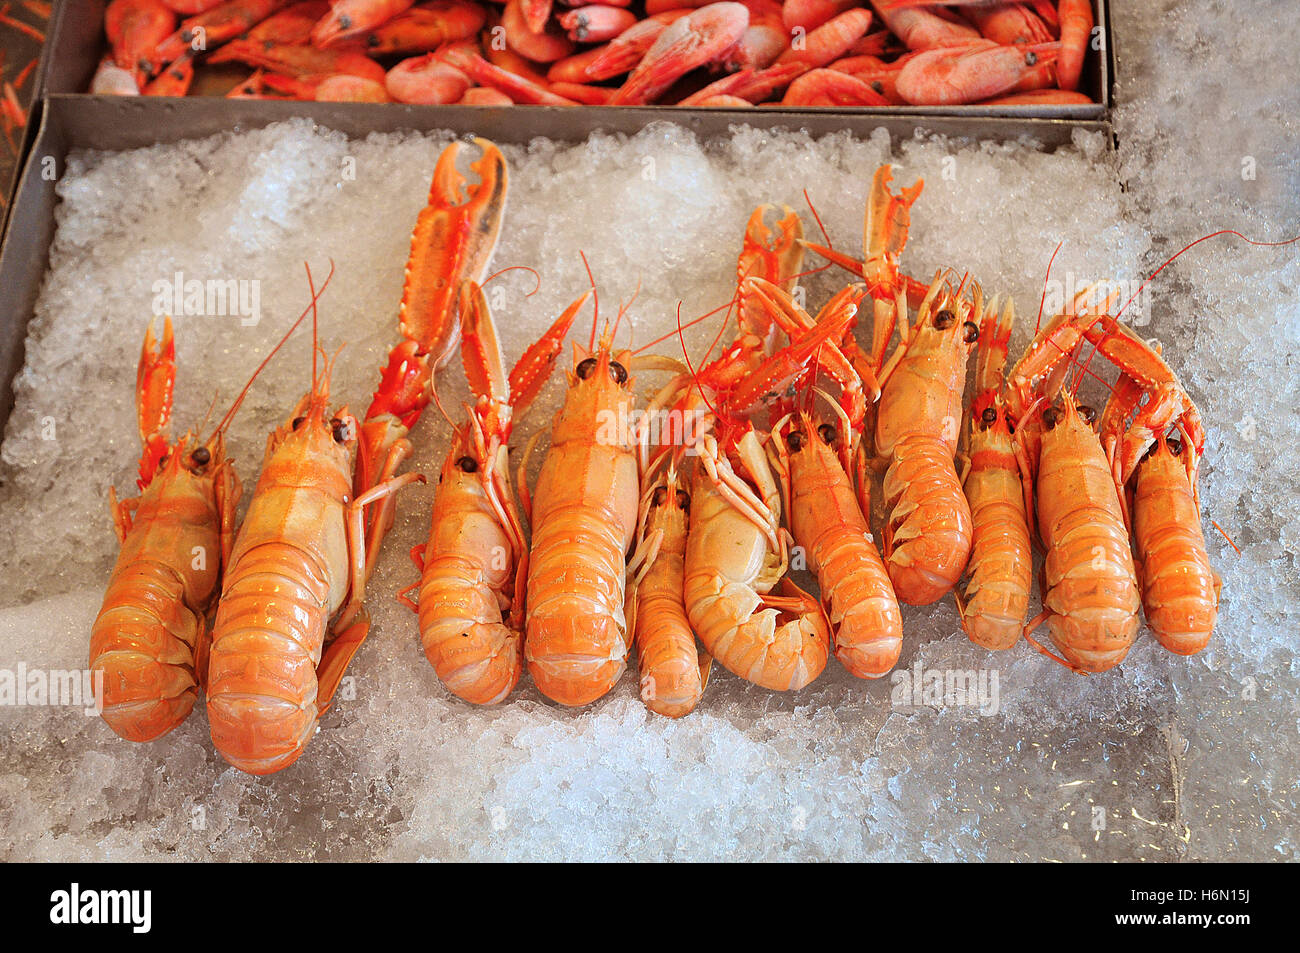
(584, 517)
(828, 519)
(927, 535)
(999, 490)
(290, 617)
(1090, 588)
(474, 565)
(736, 553)
(674, 671)
(149, 641)
(1180, 589)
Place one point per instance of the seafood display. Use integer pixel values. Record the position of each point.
(688, 543)
(759, 273)
(832, 53)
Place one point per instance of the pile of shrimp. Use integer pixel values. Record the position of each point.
(800, 53)
(676, 538)
(672, 527)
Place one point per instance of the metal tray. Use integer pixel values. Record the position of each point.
(77, 44)
(115, 123)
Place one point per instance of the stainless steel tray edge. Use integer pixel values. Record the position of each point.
(24, 253)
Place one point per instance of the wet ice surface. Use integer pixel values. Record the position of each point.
(1181, 758)
(1188, 122)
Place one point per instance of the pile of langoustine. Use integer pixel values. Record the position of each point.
(671, 530)
(804, 53)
